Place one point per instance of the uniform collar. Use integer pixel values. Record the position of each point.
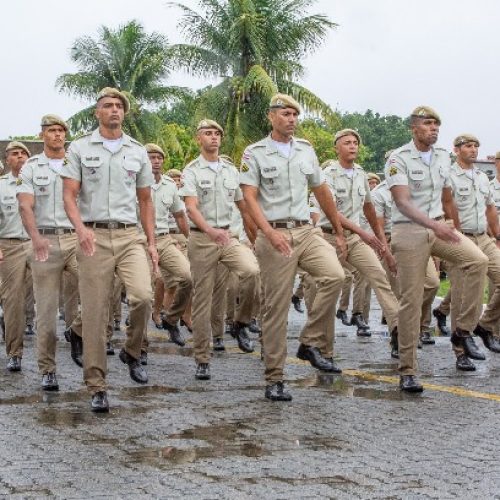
(97, 138)
(342, 171)
(203, 163)
(12, 179)
(272, 149)
(415, 153)
(460, 171)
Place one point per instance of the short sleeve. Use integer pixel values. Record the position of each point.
(177, 204)
(378, 203)
(25, 181)
(72, 166)
(316, 178)
(145, 175)
(250, 171)
(188, 183)
(368, 196)
(396, 172)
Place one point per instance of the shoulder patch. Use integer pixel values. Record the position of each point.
(393, 170)
(244, 167)
(19, 181)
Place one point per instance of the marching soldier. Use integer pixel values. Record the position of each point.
(107, 171)
(276, 174)
(211, 190)
(15, 248)
(476, 212)
(40, 197)
(418, 175)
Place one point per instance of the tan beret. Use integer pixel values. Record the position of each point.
(284, 101)
(48, 120)
(464, 139)
(154, 148)
(17, 145)
(173, 172)
(373, 176)
(344, 132)
(206, 123)
(111, 92)
(425, 112)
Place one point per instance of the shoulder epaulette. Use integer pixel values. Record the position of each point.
(167, 178)
(304, 141)
(135, 141)
(32, 159)
(191, 163)
(260, 144)
(329, 163)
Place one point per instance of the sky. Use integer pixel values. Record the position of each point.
(386, 55)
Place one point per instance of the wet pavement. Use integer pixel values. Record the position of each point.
(349, 436)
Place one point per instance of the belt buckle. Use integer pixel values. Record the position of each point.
(59, 231)
(113, 225)
(290, 224)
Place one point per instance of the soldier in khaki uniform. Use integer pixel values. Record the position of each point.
(349, 184)
(15, 248)
(276, 175)
(418, 175)
(211, 190)
(40, 197)
(173, 264)
(107, 171)
(382, 201)
(476, 212)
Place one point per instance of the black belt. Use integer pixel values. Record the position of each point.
(162, 234)
(198, 230)
(288, 224)
(55, 230)
(109, 225)
(472, 234)
(411, 222)
(15, 239)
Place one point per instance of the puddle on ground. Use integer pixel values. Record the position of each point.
(228, 440)
(172, 350)
(44, 397)
(147, 390)
(352, 389)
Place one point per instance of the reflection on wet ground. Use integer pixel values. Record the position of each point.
(44, 397)
(172, 350)
(352, 388)
(227, 440)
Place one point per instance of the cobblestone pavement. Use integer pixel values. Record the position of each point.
(348, 436)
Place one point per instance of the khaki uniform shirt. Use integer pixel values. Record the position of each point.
(166, 201)
(471, 197)
(108, 180)
(351, 193)
(216, 192)
(46, 185)
(11, 225)
(406, 168)
(283, 182)
(495, 192)
(382, 201)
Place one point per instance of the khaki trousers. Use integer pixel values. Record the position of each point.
(361, 296)
(412, 246)
(30, 300)
(46, 284)
(491, 315)
(220, 300)
(13, 272)
(121, 251)
(319, 260)
(115, 307)
(445, 306)
(204, 256)
(345, 295)
(69, 296)
(364, 259)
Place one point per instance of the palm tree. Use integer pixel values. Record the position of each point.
(256, 46)
(128, 59)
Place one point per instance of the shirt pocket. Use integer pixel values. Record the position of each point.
(205, 189)
(269, 177)
(462, 195)
(9, 203)
(230, 188)
(91, 169)
(416, 175)
(131, 167)
(41, 184)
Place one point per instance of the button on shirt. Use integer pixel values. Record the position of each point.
(41, 179)
(108, 180)
(405, 167)
(11, 225)
(283, 181)
(166, 201)
(382, 201)
(472, 193)
(350, 189)
(216, 191)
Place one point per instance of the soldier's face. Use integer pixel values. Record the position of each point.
(110, 112)
(156, 160)
(426, 131)
(209, 139)
(15, 159)
(53, 136)
(372, 183)
(284, 121)
(177, 181)
(347, 148)
(467, 153)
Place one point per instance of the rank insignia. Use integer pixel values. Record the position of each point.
(19, 182)
(393, 170)
(244, 167)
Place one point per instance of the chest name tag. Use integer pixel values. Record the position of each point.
(92, 158)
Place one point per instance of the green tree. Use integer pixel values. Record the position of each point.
(131, 60)
(256, 46)
(379, 133)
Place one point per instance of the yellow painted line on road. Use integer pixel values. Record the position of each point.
(457, 391)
